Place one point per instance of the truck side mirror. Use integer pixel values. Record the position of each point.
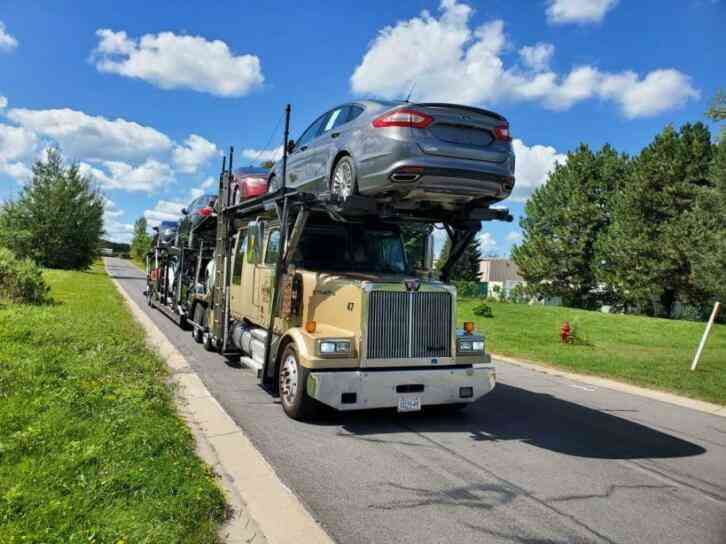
(290, 145)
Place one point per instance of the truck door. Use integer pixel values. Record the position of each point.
(235, 287)
(267, 271)
(249, 293)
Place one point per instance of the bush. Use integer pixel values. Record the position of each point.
(21, 280)
(483, 310)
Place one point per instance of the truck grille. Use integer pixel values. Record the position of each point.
(408, 325)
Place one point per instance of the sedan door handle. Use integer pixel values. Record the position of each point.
(335, 134)
(303, 148)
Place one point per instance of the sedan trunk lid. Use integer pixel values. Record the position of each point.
(462, 132)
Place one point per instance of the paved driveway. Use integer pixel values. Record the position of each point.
(541, 459)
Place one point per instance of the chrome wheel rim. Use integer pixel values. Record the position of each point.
(288, 380)
(343, 180)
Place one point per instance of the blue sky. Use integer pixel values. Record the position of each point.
(146, 96)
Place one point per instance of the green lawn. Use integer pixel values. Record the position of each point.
(91, 447)
(644, 351)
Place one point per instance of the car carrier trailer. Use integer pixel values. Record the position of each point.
(316, 295)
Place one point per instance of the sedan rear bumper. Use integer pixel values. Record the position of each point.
(383, 388)
(442, 178)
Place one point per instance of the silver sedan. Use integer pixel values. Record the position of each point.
(410, 155)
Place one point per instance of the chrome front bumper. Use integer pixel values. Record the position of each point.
(379, 388)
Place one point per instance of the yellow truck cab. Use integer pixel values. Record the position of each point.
(356, 327)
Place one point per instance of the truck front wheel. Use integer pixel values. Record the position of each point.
(292, 380)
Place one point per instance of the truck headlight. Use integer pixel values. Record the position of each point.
(334, 347)
(470, 346)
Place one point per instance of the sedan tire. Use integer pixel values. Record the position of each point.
(343, 183)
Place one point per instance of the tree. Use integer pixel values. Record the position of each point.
(467, 267)
(57, 220)
(564, 219)
(645, 255)
(706, 246)
(141, 242)
(717, 110)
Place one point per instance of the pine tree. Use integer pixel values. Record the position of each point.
(467, 267)
(706, 245)
(645, 256)
(58, 218)
(564, 219)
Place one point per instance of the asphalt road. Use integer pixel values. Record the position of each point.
(540, 459)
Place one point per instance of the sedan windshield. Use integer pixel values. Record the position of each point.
(351, 248)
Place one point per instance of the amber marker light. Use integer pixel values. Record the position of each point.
(310, 326)
(468, 327)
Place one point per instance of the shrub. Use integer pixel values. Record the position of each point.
(578, 333)
(21, 280)
(483, 310)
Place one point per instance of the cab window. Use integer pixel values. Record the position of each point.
(239, 258)
(251, 247)
(273, 247)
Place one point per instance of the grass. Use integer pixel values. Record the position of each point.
(91, 447)
(645, 351)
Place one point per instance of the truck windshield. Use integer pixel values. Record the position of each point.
(351, 248)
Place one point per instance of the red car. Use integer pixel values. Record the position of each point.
(248, 182)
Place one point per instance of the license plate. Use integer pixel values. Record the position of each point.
(409, 404)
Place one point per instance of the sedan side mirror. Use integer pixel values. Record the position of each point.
(184, 211)
(290, 145)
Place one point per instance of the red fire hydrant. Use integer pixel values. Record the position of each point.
(565, 332)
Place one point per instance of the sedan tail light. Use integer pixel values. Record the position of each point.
(502, 133)
(403, 118)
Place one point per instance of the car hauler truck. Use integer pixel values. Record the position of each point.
(321, 300)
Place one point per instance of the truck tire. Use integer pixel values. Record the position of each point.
(208, 342)
(197, 331)
(292, 381)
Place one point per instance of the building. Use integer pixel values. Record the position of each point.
(499, 275)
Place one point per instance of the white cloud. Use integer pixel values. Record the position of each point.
(487, 243)
(115, 230)
(163, 210)
(194, 153)
(147, 177)
(3, 102)
(533, 165)
(659, 91)
(16, 170)
(578, 11)
(514, 236)
(261, 155)
(88, 137)
(7, 41)
(450, 61)
(538, 56)
(208, 183)
(17, 145)
(169, 61)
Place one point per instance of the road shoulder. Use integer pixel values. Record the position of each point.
(264, 509)
(663, 396)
